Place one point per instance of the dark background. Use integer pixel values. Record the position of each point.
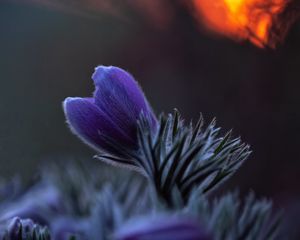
(47, 54)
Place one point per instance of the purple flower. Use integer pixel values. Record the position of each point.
(15, 225)
(17, 229)
(111, 114)
(42, 208)
(162, 228)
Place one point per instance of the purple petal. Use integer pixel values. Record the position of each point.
(162, 228)
(120, 97)
(41, 208)
(14, 227)
(92, 125)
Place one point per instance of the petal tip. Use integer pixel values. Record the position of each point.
(100, 73)
(69, 100)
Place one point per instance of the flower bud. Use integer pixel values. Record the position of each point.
(111, 115)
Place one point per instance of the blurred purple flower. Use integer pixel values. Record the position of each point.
(17, 229)
(41, 203)
(162, 228)
(15, 224)
(112, 113)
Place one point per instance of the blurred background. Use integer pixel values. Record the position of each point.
(49, 51)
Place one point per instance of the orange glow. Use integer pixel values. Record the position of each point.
(241, 19)
(263, 22)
